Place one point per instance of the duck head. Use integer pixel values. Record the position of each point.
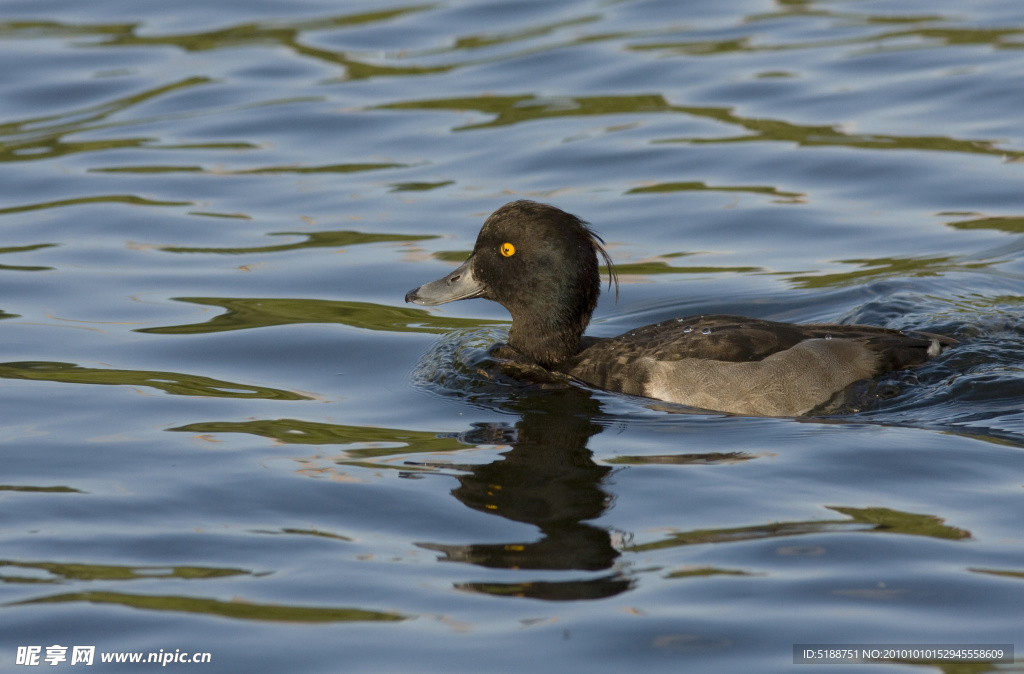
(540, 263)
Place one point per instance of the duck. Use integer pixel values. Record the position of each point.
(541, 264)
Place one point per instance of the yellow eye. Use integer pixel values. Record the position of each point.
(508, 250)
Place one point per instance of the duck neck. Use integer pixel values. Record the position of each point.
(546, 340)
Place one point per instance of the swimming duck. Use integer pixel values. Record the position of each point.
(541, 264)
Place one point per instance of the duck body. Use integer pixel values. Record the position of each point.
(745, 365)
(541, 263)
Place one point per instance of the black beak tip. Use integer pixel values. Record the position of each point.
(411, 295)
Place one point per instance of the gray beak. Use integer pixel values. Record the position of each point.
(459, 285)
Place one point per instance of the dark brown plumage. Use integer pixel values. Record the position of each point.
(540, 263)
(733, 339)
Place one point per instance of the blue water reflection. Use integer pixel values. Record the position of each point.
(225, 432)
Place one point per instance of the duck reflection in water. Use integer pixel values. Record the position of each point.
(548, 479)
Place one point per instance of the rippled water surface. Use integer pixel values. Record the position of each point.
(223, 431)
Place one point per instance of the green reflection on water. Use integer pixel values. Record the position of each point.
(170, 382)
(240, 35)
(1011, 224)
(882, 520)
(514, 109)
(225, 609)
(43, 137)
(246, 313)
(885, 267)
(458, 256)
(24, 249)
(992, 37)
(419, 187)
(696, 47)
(48, 490)
(508, 110)
(761, 130)
(334, 239)
(326, 168)
(305, 532)
(297, 431)
(1000, 572)
(925, 37)
(280, 32)
(104, 199)
(492, 39)
(62, 572)
(896, 522)
(148, 169)
(787, 197)
(230, 216)
(705, 571)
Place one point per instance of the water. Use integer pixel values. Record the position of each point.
(224, 432)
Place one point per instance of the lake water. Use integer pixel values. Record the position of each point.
(224, 432)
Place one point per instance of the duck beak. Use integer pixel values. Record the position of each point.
(459, 285)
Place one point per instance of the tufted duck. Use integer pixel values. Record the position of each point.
(541, 264)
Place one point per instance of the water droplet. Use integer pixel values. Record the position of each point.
(687, 329)
(706, 331)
